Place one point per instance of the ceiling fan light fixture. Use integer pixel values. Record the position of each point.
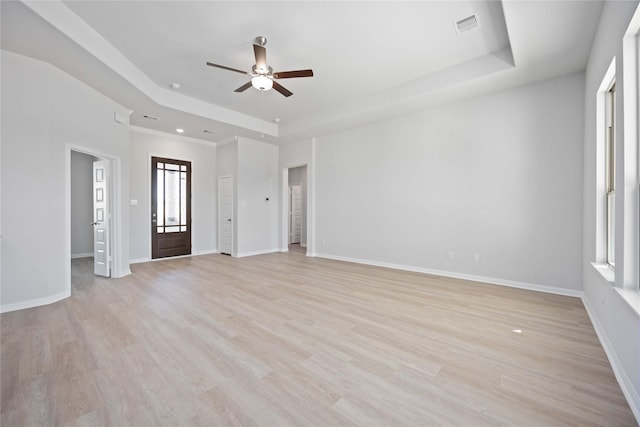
(262, 82)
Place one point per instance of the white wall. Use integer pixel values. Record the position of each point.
(499, 176)
(618, 325)
(44, 111)
(296, 154)
(144, 145)
(81, 204)
(257, 180)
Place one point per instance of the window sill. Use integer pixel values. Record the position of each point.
(606, 272)
(631, 297)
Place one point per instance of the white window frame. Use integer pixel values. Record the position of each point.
(627, 273)
(603, 203)
(610, 172)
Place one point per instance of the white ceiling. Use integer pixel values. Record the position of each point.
(371, 59)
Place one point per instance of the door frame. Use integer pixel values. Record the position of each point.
(149, 197)
(233, 210)
(284, 208)
(291, 208)
(189, 204)
(115, 181)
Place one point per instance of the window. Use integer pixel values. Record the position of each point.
(605, 165)
(610, 172)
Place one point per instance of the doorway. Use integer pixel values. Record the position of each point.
(90, 184)
(81, 213)
(81, 205)
(297, 208)
(225, 215)
(170, 207)
(295, 214)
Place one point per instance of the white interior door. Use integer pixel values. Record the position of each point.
(225, 215)
(101, 219)
(295, 213)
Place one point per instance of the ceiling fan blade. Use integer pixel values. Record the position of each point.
(243, 87)
(227, 68)
(292, 74)
(261, 57)
(277, 86)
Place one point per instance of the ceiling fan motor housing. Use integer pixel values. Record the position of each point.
(261, 72)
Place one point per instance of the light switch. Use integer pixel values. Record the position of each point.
(134, 202)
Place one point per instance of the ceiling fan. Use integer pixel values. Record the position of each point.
(262, 75)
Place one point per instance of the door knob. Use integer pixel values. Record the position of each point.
(229, 219)
(93, 223)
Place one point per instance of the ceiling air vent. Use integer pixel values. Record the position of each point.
(150, 117)
(466, 24)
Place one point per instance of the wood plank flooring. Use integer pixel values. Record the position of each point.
(286, 340)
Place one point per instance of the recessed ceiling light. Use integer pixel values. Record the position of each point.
(276, 120)
(174, 86)
(180, 130)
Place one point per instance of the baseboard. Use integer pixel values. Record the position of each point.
(37, 302)
(141, 260)
(207, 252)
(483, 279)
(120, 274)
(626, 385)
(253, 253)
(85, 255)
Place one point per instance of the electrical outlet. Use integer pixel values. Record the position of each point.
(476, 257)
(450, 255)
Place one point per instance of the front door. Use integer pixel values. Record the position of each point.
(101, 219)
(170, 207)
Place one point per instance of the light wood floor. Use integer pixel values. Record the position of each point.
(286, 340)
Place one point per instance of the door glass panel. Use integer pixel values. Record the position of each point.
(183, 198)
(172, 229)
(160, 194)
(172, 197)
